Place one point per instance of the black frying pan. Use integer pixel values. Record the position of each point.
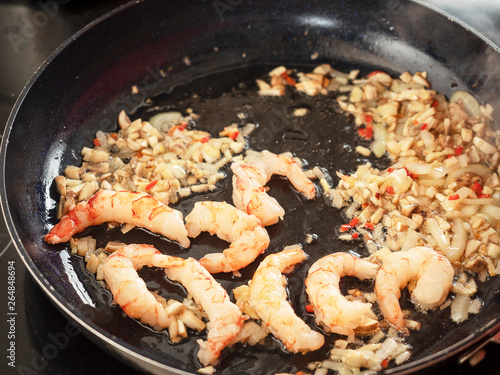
(84, 85)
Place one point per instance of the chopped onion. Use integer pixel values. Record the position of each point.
(411, 240)
(380, 140)
(457, 247)
(419, 168)
(460, 308)
(437, 233)
(479, 169)
(491, 213)
(165, 120)
(470, 104)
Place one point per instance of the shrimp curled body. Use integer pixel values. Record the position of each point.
(225, 318)
(139, 209)
(433, 274)
(268, 297)
(250, 195)
(282, 165)
(131, 293)
(250, 178)
(129, 290)
(333, 311)
(248, 239)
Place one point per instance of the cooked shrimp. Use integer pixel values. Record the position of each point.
(333, 311)
(250, 195)
(248, 239)
(432, 272)
(225, 318)
(268, 298)
(282, 165)
(139, 209)
(130, 292)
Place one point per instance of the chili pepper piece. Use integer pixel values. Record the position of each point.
(288, 79)
(150, 185)
(354, 222)
(344, 227)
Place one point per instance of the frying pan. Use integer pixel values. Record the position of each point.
(172, 51)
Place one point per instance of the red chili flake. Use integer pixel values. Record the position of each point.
(435, 103)
(114, 135)
(345, 227)
(384, 363)
(288, 79)
(309, 308)
(354, 222)
(454, 197)
(368, 119)
(369, 131)
(97, 142)
(484, 195)
(390, 170)
(415, 122)
(355, 235)
(181, 128)
(204, 140)
(234, 135)
(458, 150)
(449, 156)
(150, 185)
(389, 190)
(409, 174)
(377, 195)
(477, 188)
(370, 226)
(423, 127)
(374, 72)
(364, 205)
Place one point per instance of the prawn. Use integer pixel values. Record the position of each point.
(250, 178)
(248, 239)
(268, 298)
(225, 318)
(129, 290)
(139, 209)
(432, 272)
(131, 293)
(250, 195)
(333, 311)
(282, 165)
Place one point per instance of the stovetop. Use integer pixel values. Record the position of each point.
(45, 342)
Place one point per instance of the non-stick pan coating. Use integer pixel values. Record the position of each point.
(84, 85)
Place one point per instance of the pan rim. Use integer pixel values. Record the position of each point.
(55, 296)
(462, 24)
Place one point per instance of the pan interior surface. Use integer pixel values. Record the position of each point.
(83, 87)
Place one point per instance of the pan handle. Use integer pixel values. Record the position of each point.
(476, 354)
